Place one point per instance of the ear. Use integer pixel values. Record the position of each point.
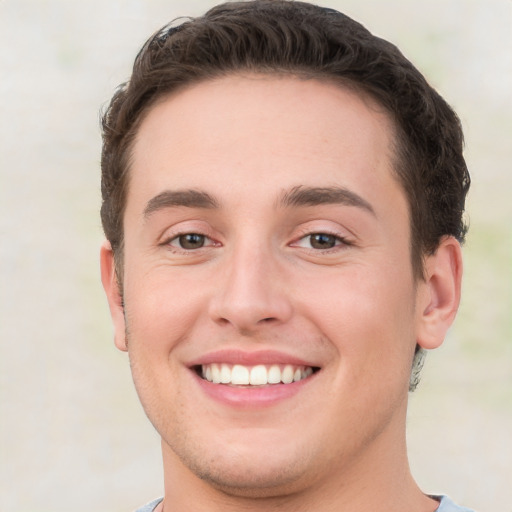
(439, 294)
(115, 300)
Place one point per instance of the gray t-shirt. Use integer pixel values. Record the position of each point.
(150, 506)
(446, 505)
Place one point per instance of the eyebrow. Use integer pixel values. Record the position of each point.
(188, 198)
(314, 196)
(295, 197)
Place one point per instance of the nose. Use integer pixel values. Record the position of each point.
(251, 292)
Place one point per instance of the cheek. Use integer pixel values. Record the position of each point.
(367, 316)
(159, 319)
(160, 308)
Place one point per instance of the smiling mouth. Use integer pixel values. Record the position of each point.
(259, 375)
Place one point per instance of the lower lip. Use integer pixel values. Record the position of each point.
(252, 396)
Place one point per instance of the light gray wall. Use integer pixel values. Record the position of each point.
(72, 434)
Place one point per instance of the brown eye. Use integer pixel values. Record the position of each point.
(191, 241)
(322, 241)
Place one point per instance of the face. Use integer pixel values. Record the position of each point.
(270, 307)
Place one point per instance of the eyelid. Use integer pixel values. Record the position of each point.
(177, 236)
(185, 228)
(340, 240)
(343, 239)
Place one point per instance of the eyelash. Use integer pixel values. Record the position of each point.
(338, 239)
(178, 236)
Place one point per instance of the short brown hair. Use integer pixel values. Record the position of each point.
(304, 40)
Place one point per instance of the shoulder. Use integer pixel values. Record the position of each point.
(447, 505)
(149, 507)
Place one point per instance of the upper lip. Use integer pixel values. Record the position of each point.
(247, 358)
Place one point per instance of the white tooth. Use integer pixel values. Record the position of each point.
(309, 371)
(297, 375)
(225, 374)
(239, 375)
(274, 374)
(207, 372)
(287, 376)
(215, 373)
(258, 375)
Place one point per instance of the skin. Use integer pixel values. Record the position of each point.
(353, 310)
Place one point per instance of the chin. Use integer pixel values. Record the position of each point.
(252, 481)
(255, 473)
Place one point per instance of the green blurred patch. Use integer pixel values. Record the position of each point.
(485, 318)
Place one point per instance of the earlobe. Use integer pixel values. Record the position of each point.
(115, 300)
(440, 293)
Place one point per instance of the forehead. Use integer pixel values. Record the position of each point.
(262, 133)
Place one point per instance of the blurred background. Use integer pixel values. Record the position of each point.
(72, 433)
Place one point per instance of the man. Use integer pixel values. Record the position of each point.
(282, 198)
